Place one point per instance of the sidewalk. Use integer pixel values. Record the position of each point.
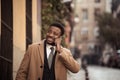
(76, 76)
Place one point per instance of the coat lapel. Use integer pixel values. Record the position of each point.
(41, 51)
(56, 59)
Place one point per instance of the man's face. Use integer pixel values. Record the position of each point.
(52, 34)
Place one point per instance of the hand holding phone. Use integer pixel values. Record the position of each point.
(58, 44)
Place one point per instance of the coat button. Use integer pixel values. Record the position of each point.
(41, 66)
(38, 78)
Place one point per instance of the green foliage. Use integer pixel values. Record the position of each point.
(52, 10)
(109, 29)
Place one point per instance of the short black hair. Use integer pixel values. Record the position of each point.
(59, 25)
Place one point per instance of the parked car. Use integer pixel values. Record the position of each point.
(114, 60)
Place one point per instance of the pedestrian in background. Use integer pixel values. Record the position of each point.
(39, 64)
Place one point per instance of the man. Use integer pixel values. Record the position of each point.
(36, 62)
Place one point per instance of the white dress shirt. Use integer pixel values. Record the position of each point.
(49, 50)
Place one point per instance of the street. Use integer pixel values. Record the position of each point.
(96, 73)
(103, 73)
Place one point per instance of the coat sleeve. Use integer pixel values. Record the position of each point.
(24, 66)
(69, 62)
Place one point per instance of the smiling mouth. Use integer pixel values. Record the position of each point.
(50, 39)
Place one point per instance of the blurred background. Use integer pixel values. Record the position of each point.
(92, 33)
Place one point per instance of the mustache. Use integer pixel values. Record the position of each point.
(51, 37)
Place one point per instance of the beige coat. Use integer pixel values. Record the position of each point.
(32, 64)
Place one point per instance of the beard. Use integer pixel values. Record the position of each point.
(53, 44)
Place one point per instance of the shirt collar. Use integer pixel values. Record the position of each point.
(49, 46)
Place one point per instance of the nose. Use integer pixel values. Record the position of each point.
(51, 34)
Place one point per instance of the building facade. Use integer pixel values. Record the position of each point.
(86, 29)
(20, 25)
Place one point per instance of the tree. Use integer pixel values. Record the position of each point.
(53, 10)
(109, 30)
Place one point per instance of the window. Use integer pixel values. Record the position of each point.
(97, 12)
(96, 31)
(84, 33)
(85, 14)
(78, 1)
(6, 40)
(97, 1)
(28, 22)
(84, 30)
